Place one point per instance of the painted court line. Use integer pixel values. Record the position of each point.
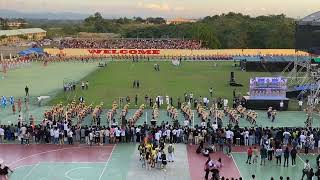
(23, 166)
(301, 159)
(72, 162)
(29, 173)
(74, 169)
(105, 166)
(44, 152)
(236, 165)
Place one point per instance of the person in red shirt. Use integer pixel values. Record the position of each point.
(249, 153)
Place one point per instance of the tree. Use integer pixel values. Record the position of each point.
(157, 20)
(139, 20)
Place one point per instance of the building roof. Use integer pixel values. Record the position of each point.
(312, 19)
(10, 32)
(179, 19)
(32, 30)
(21, 31)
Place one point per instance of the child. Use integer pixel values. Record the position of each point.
(143, 160)
(249, 153)
(164, 161)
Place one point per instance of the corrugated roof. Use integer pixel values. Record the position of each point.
(32, 30)
(314, 17)
(20, 31)
(10, 32)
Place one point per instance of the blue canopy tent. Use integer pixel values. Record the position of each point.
(38, 51)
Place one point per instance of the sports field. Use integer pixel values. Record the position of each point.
(115, 81)
(42, 80)
(121, 161)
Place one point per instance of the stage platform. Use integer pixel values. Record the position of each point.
(263, 103)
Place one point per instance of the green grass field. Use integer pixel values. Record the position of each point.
(108, 84)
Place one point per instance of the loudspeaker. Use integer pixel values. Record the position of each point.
(232, 77)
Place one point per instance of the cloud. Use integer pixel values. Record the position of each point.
(155, 6)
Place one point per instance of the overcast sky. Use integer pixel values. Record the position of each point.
(167, 8)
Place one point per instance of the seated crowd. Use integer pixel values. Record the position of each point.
(131, 43)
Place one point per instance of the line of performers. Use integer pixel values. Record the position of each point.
(112, 112)
(137, 115)
(241, 112)
(14, 63)
(172, 112)
(155, 112)
(187, 112)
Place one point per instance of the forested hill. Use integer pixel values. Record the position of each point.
(232, 30)
(229, 31)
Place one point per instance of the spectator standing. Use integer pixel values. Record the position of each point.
(136, 100)
(263, 155)
(300, 103)
(87, 85)
(278, 155)
(249, 153)
(1, 134)
(286, 155)
(170, 153)
(306, 169)
(26, 90)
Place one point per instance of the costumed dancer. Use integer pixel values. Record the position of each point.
(12, 105)
(4, 101)
(269, 112)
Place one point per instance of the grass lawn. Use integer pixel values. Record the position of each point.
(108, 84)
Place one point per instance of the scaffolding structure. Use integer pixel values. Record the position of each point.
(307, 75)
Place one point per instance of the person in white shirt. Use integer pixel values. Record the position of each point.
(168, 131)
(286, 136)
(123, 135)
(20, 119)
(302, 139)
(300, 104)
(245, 135)
(191, 97)
(65, 126)
(179, 133)
(186, 122)
(167, 100)
(214, 126)
(52, 135)
(107, 136)
(70, 136)
(1, 134)
(281, 105)
(161, 100)
(225, 102)
(118, 133)
(91, 136)
(23, 131)
(170, 153)
(203, 124)
(204, 99)
(157, 137)
(174, 135)
(56, 136)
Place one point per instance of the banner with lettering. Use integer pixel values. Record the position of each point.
(170, 52)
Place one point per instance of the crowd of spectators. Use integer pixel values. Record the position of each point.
(131, 43)
(208, 135)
